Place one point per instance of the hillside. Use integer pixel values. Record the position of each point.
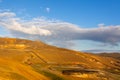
(22, 59)
(113, 55)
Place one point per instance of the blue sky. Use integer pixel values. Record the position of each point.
(82, 12)
(85, 14)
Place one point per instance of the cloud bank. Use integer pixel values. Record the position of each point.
(55, 31)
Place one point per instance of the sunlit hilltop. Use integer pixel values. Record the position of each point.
(22, 59)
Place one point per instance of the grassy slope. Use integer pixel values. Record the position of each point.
(15, 71)
(18, 63)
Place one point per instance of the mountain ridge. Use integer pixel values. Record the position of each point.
(25, 59)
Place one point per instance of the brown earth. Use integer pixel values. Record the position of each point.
(22, 59)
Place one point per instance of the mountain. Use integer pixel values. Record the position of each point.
(22, 59)
(101, 51)
(113, 55)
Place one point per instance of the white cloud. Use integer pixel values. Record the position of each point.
(7, 14)
(11, 22)
(48, 9)
(55, 31)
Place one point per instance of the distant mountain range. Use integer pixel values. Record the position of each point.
(112, 55)
(101, 51)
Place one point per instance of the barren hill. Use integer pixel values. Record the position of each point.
(22, 59)
(113, 55)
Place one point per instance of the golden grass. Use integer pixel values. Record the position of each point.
(17, 62)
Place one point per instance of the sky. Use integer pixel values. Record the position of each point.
(73, 24)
